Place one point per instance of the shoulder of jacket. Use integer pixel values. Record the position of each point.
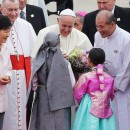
(33, 7)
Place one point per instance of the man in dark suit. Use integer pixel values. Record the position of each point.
(122, 17)
(33, 15)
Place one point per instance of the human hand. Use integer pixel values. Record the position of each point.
(65, 56)
(4, 80)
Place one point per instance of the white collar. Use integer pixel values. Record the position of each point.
(113, 10)
(114, 33)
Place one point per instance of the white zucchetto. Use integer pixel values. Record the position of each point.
(67, 12)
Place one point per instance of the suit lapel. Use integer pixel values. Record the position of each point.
(28, 13)
(117, 14)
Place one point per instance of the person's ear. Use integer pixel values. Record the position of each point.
(57, 20)
(113, 24)
(88, 60)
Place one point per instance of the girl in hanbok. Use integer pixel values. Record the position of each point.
(94, 92)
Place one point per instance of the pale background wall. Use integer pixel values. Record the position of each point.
(83, 5)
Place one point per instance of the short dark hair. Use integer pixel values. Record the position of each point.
(5, 22)
(97, 56)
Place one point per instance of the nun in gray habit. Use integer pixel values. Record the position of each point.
(52, 83)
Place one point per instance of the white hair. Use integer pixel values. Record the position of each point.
(3, 1)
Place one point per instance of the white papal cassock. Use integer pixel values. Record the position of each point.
(117, 49)
(20, 42)
(67, 44)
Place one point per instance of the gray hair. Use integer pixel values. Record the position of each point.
(108, 15)
(111, 18)
(3, 1)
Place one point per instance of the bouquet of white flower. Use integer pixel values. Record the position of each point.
(78, 60)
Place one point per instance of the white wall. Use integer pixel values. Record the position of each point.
(84, 5)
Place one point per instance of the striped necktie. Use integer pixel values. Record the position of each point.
(22, 15)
